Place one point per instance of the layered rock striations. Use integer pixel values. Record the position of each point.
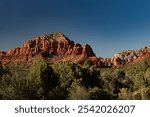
(131, 56)
(55, 47)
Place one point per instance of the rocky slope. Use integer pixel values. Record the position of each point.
(131, 56)
(57, 47)
(123, 58)
(54, 48)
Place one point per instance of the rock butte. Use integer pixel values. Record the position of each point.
(57, 47)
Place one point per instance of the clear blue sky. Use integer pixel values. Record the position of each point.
(109, 26)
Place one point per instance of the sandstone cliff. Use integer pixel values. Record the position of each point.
(131, 56)
(54, 48)
(57, 47)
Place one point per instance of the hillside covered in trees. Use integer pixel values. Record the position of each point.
(54, 67)
(68, 80)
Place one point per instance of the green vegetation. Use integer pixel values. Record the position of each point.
(70, 81)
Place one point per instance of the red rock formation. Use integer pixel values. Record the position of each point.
(87, 51)
(77, 50)
(57, 47)
(54, 48)
(131, 56)
(145, 55)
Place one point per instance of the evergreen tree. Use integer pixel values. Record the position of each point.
(41, 73)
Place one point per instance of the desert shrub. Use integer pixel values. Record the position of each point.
(139, 80)
(99, 94)
(142, 94)
(58, 93)
(136, 95)
(125, 94)
(147, 77)
(78, 92)
(145, 93)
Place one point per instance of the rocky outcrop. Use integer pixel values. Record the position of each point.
(127, 57)
(57, 47)
(145, 55)
(54, 48)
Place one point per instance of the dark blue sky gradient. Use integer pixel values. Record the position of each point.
(109, 26)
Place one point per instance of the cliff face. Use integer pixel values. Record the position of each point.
(132, 56)
(55, 47)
